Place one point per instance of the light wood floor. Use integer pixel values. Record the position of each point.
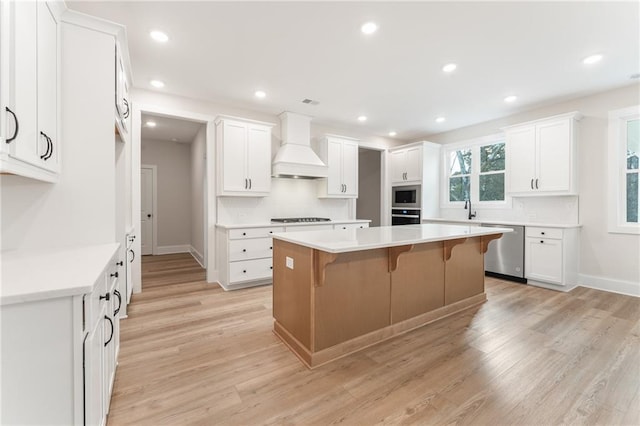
(194, 354)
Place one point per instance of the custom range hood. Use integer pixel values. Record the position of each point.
(295, 158)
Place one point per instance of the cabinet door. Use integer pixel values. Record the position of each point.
(109, 358)
(234, 155)
(543, 260)
(521, 153)
(553, 149)
(22, 97)
(413, 163)
(258, 159)
(350, 168)
(397, 160)
(48, 86)
(334, 164)
(94, 375)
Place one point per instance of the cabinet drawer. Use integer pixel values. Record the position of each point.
(555, 233)
(94, 305)
(252, 248)
(351, 225)
(248, 270)
(238, 234)
(305, 228)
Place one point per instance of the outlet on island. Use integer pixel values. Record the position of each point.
(289, 262)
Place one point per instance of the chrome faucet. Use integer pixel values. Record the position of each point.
(467, 204)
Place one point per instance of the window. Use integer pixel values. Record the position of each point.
(624, 170)
(476, 171)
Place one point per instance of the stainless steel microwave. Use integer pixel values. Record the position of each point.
(406, 196)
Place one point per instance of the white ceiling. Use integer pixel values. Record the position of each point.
(224, 51)
(169, 129)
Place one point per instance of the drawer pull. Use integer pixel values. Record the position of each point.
(541, 241)
(115, 274)
(119, 296)
(542, 233)
(244, 233)
(112, 330)
(119, 263)
(270, 267)
(106, 297)
(244, 271)
(270, 248)
(244, 250)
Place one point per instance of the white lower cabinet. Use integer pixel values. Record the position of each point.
(59, 356)
(551, 257)
(246, 254)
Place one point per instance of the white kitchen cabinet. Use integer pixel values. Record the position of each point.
(406, 165)
(542, 156)
(29, 90)
(551, 257)
(350, 225)
(244, 157)
(340, 154)
(58, 344)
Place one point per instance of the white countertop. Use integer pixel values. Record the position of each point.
(348, 240)
(478, 222)
(269, 224)
(30, 275)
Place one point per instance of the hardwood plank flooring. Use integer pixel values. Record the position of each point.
(192, 353)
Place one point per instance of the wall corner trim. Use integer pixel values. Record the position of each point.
(183, 248)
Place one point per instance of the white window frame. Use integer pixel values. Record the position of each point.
(474, 145)
(617, 155)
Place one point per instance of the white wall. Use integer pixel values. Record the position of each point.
(607, 260)
(198, 175)
(173, 189)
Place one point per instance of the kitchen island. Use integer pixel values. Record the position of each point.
(336, 292)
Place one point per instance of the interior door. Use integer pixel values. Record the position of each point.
(146, 209)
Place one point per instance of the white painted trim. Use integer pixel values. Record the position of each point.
(154, 213)
(197, 256)
(181, 248)
(617, 171)
(562, 288)
(628, 288)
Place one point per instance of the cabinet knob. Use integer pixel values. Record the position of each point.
(270, 267)
(115, 274)
(244, 271)
(106, 297)
(541, 241)
(244, 250)
(119, 263)
(542, 233)
(270, 248)
(244, 233)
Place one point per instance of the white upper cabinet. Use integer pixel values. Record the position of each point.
(122, 99)
(406, 165)
(29, 49)
(244, 157)
(542, 158)
(340, 154)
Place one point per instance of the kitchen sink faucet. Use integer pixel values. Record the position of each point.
(467, 204)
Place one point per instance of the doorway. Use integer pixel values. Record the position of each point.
(148, 183)
(369, 203)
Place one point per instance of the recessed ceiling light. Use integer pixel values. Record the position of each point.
(589, 60)
(392, 134)
(159, 36)
(440, 120)
(150, 124)
(369, 28)
(260, 94)
(157, 83)
(449, 67)
(511, 98)
(362, 118)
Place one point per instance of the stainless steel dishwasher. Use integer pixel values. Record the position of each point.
(505, 256)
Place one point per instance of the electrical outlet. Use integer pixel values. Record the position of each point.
(289, 262)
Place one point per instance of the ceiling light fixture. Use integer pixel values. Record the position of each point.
(362, 118)
(159, 36)
(150, 124)
(590, 60)
(392, 134)
(157, 83)
(260, 94)
(510, 98)
(369, 28)
(440, 120)
(449, 68)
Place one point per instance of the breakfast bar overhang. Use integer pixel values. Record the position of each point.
(336, 292)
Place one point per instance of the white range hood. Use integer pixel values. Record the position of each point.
(295, 158)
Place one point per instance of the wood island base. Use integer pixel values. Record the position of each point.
(329, 305)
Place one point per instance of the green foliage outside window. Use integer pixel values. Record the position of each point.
(633, 153)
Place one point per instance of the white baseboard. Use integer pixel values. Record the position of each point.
(629, 288)
(183, 248)
(197, 256)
